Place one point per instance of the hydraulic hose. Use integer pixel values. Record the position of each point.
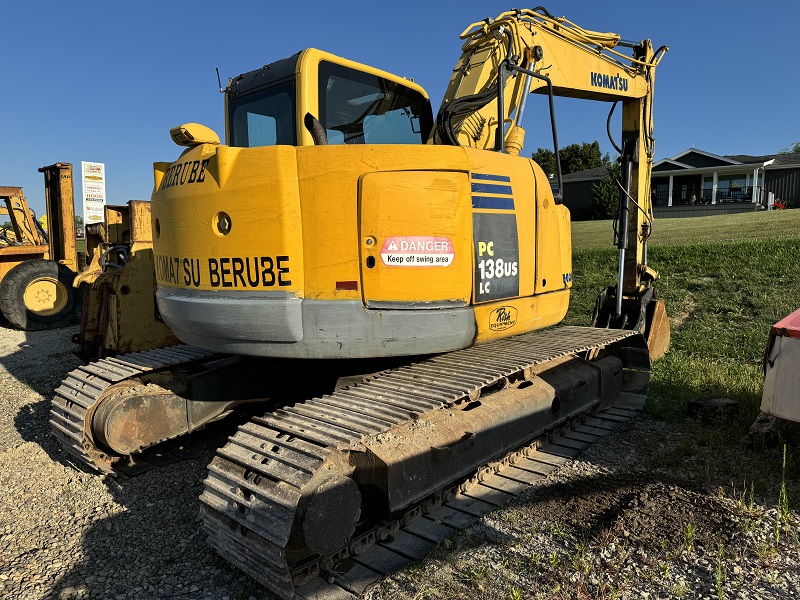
(466, 105)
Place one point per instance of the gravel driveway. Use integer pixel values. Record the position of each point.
(608, 525)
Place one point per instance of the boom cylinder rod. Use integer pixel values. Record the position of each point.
(629, 44)
(524, 100)
(624, 224)
(620, 275)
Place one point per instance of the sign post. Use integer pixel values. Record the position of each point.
(94, 192)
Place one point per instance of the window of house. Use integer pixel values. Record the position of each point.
(662, 194)
(733, 188)
(732, 182)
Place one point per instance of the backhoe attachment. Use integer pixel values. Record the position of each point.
(645, 313)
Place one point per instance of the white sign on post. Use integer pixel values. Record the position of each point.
(94, 192)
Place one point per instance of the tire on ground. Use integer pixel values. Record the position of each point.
(49, 285)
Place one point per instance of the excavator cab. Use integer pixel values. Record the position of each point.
(340, 102)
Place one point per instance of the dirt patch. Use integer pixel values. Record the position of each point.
(688, 308)
(644, 509)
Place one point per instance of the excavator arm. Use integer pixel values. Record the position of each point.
(531, 51)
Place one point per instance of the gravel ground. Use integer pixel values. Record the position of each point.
(609, 525)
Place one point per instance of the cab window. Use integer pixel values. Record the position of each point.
(264, 118)
(359, 108)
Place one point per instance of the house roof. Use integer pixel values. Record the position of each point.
(694, 158)
(691, 156)
(781, 160)
(586, 174)
(669, 161)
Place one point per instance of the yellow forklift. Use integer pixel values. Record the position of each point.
(37, 267)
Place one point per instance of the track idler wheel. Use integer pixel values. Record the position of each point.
(330, 514)
(133, 418)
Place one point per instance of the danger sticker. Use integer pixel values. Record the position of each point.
(417, 251)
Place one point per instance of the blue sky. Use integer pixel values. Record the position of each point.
(105, 81)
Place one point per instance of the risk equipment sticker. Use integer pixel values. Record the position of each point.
(417, 251)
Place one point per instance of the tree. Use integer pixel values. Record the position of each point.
(575, 157)
(793, 149)
(605, 194)
(545, 158)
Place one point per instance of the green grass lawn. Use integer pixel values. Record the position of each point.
(724, 228)
(725, 281)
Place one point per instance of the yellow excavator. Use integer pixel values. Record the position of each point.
(340, 230)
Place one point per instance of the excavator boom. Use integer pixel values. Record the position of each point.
(531, 51)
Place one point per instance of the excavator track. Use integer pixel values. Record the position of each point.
(418, 533)
(81, 391)
(253, 500)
